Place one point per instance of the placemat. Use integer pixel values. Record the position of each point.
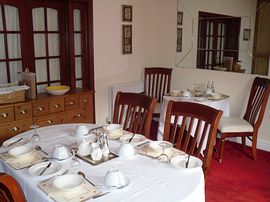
(82, 193)
(20, 163)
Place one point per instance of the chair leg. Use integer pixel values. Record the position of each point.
(221, 152)
(254, 148)
(243, 142)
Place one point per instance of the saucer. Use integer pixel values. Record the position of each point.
(136, 140)
(36, 169)
(16, 144)
(179, 162)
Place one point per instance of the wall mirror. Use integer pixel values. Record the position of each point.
(225, 35)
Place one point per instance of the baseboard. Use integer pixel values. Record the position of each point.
(261, 144)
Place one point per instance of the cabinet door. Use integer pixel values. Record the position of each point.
(56, 105)
(41, 108)
(23, 111)
(81, 115)
(52, 119)
(6, 114)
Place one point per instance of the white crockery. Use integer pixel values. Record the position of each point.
(16, 144)
(36, 169)
(115, 131)
(68, 182)
(175, 93)
(186, 93)
(162, 146)
(115, 177)
(126, 150)
(61, 152)
(180, 162)
(81, 130)
(137, 139)
(21, 151)
(84, 148)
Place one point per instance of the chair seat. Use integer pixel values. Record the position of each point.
(234, 125)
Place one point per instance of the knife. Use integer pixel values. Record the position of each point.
(187, 161)
(45, 168)
(14, 142)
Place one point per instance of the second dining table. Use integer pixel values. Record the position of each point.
(150, 179)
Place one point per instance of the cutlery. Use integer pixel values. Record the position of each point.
(99, 195)
(187, 161)
(10, 144)
(131, 137)
(45, 168)
(83, 175)
(38, 148)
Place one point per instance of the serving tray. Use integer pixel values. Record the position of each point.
(88, 159)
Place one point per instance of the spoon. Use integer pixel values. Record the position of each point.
(131, 137)
(83, 175)
(38, 148)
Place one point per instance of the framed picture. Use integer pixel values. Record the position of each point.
(127, 39)
(179, 18)
(179, 40)
(246, 34)
(127, 13)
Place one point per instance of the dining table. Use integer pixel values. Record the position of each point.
(150, 179)
(220, 103)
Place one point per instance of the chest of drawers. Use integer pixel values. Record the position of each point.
(77, 106)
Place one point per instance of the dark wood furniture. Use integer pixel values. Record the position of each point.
(197, 118)
(77, 106)
(10, 189)
(134, 111)
(247, 126)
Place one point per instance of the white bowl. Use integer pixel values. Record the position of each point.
(115, 131)
(57, 90)
(175, 93)
(68, 182)
(21, 151)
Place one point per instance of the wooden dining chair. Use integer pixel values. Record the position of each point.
(192, 127)
(10, 190)
(134, 111)
(248, 126)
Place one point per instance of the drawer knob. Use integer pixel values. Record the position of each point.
(15, 128)
(4, 115)
(40, 109)
(85, 100)
(49, 121)
(79, 115)
(23, 111)
(56, 105)
(71, 103)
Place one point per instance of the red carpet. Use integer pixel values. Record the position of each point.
(238, 177)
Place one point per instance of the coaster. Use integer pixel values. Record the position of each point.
(84, 192)
(20, 163)
(88, 159)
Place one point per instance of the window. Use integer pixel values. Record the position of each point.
(218, 37)
(51, 38)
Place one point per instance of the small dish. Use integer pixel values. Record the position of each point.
(21, 151)
(160, 145)
(36, 169)
(180, 162)
(15, 142)
(68, 182)
(136, 140)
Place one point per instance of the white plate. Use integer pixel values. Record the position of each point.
(68, 182)
(180, 162)
(21, 151)
(19, 143)
(160, 145)
(36, 169)
(137, 139)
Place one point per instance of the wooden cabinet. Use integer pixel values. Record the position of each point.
(77, 106)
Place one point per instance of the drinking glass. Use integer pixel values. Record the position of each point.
(75, 162)
(35, 137)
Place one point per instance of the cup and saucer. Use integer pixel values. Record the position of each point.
(127, 150)
(60, 153)
(115, 179)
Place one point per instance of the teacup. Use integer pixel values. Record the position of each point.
(84, 148)
(81, 130)
(60, 152)
(186, 93)
(114, 177)
(208, 91)
(126, 150)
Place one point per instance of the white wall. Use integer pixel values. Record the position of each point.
(154, 39)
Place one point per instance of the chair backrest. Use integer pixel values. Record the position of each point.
(10, 190)
(157, 82)
(134, 111)
(258, 97)
(194, 128)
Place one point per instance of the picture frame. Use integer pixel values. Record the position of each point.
(179, 39)
(126, 13)
(127, 39)
(246, 34)
(179, 18)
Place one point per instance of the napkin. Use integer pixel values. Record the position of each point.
(148, 151)
(20, 163)
(83, 192)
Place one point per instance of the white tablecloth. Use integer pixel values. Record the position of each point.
(151, 180)
(223, 105)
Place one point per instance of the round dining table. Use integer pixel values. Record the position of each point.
(150, 179)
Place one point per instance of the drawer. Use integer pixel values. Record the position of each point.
(51, 119)
(86, 100)
(40, 108)
(23, 111)
(72, 102)
(56, 105)
(81, 115)
(6, 114)
(10, 129)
